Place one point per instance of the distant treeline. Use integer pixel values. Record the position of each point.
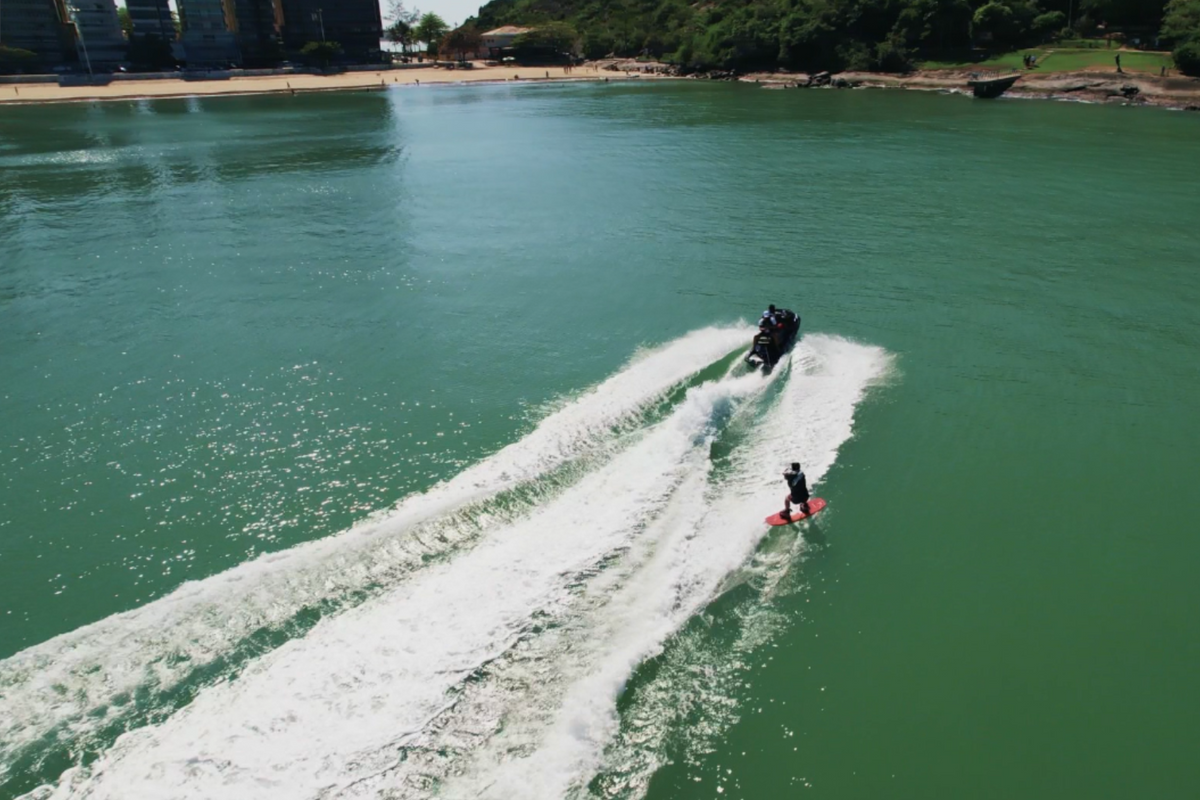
(810, 35)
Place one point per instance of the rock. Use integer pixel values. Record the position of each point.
(1129, 90)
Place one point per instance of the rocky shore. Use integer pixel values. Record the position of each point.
(1097, 87)
(1131, 88)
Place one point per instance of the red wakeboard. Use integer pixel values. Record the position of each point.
(814, 505)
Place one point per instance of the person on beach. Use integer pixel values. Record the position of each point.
(1119, 63)
(797, 490)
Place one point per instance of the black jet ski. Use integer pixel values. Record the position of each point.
(770, 346)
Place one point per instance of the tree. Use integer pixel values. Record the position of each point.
(1048, 24)
(15, 57)
(934, 24)
(1182, 21)
(890, 56)
(430, 30)
(993, 21)
(557, 36)
(1123, 13)
(400, 13)
(1187, 57)
(400, 32)
(461, 41)
(1181, 24)
(321, 52)
(126, 21)
(1005, 22)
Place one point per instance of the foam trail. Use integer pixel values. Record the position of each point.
(325, 715)
(74, 684)
(695, 554)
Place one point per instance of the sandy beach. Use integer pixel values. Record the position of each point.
(296, 83)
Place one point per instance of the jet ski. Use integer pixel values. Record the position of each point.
(771, 345)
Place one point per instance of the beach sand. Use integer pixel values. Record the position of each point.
(296, 83)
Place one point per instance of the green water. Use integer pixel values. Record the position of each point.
(232, 326)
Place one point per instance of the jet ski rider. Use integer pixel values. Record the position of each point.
(776, 323)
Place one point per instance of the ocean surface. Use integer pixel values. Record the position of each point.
(398, 445)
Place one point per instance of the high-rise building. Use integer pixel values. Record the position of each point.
(151, 18)
(40, 26)
(99, 28)
(258, 26)
(354, 24)
(208, 39)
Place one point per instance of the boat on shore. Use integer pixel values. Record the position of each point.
(990, 87)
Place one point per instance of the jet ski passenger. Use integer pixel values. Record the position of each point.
(797, 490)
(764, 346)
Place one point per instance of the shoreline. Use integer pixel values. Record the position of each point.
(301, 83)
(1102, 87)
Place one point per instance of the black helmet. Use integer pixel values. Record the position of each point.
(796, 466)
(771, 308)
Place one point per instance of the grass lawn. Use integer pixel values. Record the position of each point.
(1066, 59)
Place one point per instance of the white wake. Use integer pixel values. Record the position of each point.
(70, 686)
(510, 655)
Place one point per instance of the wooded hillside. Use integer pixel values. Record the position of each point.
(835, 34)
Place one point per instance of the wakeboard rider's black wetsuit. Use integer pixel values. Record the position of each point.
(798, 488)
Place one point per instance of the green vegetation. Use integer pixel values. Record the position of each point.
(400, 32)
(555, 37)
(1182, 20)
(461, 41)
(1059, 59)
(321, 52)
(403, 30)
(887, 35)
(1187, 57)
(431, 30)
(125, 20)
(15, 56)
(1182, 26)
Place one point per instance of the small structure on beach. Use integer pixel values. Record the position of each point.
(499, 39)
(989, 87)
